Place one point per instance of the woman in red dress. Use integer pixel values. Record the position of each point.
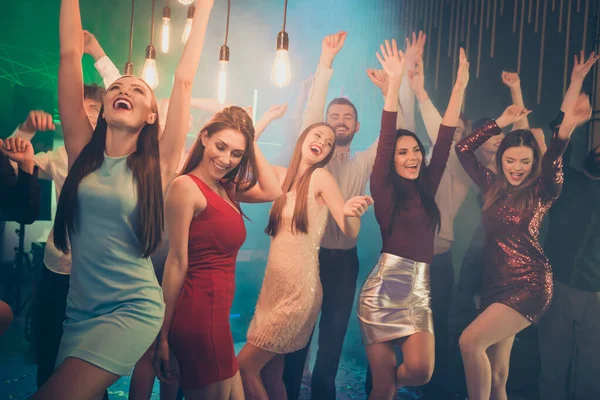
(206, 229)
(517, 278)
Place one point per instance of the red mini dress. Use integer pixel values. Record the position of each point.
(200, 334)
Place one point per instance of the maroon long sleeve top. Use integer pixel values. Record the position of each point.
(412, 233)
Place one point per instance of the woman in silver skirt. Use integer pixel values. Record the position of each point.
(394, 303)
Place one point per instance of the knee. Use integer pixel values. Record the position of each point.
(468, 344)
(420, 373)
(499, 378)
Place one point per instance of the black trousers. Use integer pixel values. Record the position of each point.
(339, 272)
(50, 306)
(442, 283)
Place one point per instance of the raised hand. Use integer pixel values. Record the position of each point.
(379, 79)
(38, 120)
(580, 113)
(511, 79)
(462, 76)
(392, 60)
(511, 115)
(414, 49)
(357, 206)
(582, 67)
(17, 149)
(416, 78)
(276, 111)
(331, 46)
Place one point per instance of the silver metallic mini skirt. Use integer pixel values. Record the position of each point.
(395, 300)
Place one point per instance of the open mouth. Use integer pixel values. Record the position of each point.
(316, 149)
(122, 104)
(341, 130)
(517, 176)
(219, 166)
(412, 167)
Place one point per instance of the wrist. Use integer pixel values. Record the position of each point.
(326, 60)
(26, 166)
(502, 122)
(422, 96)
(27, 127)
(97, 52)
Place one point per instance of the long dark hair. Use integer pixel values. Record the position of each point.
(400, 196)
(524, 196)
(245, 173)
(300, 219)
(144, 164)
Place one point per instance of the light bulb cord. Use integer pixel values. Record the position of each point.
(284, 15)
(152, 24)
(131, 30)
(227, 25)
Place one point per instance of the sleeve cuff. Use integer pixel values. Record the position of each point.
(20, 133)
(557, 121)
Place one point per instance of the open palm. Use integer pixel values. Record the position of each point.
(392, 60)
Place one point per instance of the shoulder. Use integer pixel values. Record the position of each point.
(322, 180)
(184, 192)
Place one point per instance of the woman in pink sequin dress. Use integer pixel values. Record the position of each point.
(291, 294)
(517, 278)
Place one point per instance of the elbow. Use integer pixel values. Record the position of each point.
(71, 53)
(185, 79)
(276, 193)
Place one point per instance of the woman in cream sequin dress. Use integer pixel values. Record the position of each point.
(291, 295)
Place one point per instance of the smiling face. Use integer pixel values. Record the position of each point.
(517, 163)
(343, 120)
(318, 144)
(223, 152)
(129, 104)
(408, 157)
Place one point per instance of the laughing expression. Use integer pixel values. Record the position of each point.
(130, 104)
(517, 163)
(343, 120)
(318, 144)
(408, 157)
(223, 152)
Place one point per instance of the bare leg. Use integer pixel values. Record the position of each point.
(252, 360)
(142, 379)
(76, 379)
(499, 355)
(418, 351)
(272, 377)
(497, 323)
(382, 360)
(228, 389)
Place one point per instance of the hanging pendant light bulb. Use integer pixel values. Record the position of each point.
(128, 69)
(186, 2)
(281, 73)
(188, 24)
(223, 62)
(222, 79)
(150, 74)
(166, 29)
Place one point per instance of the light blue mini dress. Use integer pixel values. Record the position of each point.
(115, 306)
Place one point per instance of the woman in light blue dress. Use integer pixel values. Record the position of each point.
(110, 213)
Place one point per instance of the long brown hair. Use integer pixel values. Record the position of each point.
(300, 219)
(399, 195)
(144, 164)
(523, 196)
(245, 173)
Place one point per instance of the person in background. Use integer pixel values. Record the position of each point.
(20, 199)
(569, 333)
